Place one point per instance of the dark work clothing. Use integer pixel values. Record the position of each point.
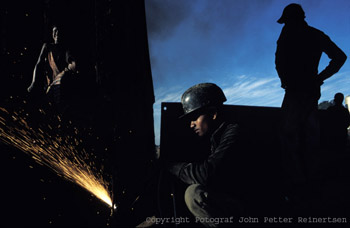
(55, 95)
(338, 122)
(215, 189)
(299, 50)
(218, 168)
(207, 206)
(300, 137)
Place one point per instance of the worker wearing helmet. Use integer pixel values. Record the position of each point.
(299, 49)
(210, 193)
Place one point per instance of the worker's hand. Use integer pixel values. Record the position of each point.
(319, 80)
(175, 168)
(61, 74)
(72, 66)
(283, 83)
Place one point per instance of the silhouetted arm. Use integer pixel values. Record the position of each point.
(337, 57)
(280, 62)
(38, 80)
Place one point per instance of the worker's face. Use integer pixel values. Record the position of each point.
(55, 34)
(201, 125)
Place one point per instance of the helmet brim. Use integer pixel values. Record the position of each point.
(191, 115)
(281, 20)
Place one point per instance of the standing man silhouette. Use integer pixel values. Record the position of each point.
(299, 49)
(339, 121)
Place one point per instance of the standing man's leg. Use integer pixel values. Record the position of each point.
(291, 137)
(312, 142)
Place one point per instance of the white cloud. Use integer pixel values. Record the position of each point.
(254, 91)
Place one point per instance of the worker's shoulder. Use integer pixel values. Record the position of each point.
(316, 32)
(231, 125)
(230, 128)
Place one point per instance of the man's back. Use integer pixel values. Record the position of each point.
(339, 117)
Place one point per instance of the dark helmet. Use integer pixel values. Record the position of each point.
(292, 12)
(200, 96)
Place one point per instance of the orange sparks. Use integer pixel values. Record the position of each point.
(58, 152)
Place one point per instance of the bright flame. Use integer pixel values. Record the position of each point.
(57, 152)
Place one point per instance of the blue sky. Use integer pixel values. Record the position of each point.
(232, 43)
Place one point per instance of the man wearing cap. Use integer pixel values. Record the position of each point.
(211, 193)
(299, 49)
